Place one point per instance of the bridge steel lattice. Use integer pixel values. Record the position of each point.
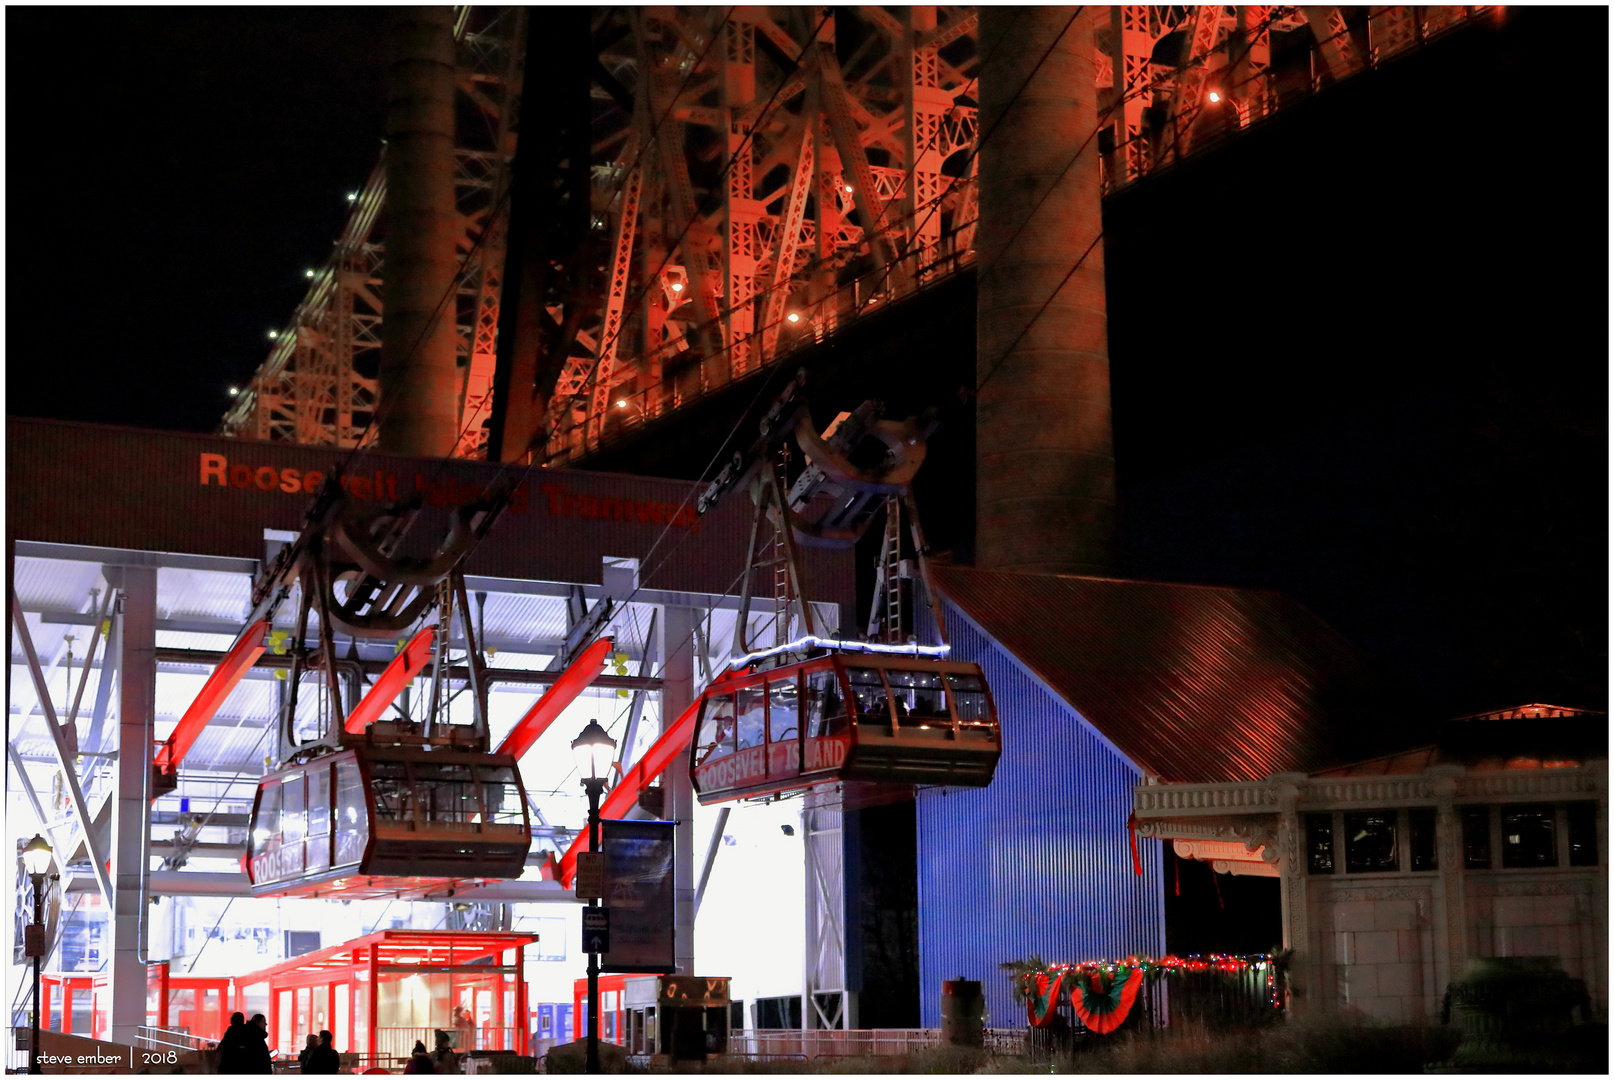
(757, 177)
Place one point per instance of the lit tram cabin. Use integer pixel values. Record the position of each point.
(388, 821)
(845, 717)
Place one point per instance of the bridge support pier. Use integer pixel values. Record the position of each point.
(1045, 461)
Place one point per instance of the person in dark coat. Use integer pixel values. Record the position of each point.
(232, 1047)
(255, 1058)
(324, 1058)
(308, 1049)
(420, 1061)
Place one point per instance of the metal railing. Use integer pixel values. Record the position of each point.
(785, 1044)
(400, 1041)
(156, 1038)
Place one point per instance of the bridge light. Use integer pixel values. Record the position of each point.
(308, 273)
(849, 189)
(678, 286)
(352, 196)
(234, 390)
(1214, 96)
(622, 403)
(793, 317)
(273, 334)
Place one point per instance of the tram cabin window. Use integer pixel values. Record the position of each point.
(1320, 843)
(1528, 837)
(319, 819)
(1476, 838)
(918, 695)
(1582, 833)
(716, 738)
(825, 712)
(969, 700)
(869, 694)
(293, 817)
(1421, 823)
(266, 833)
(752, 710)
(501, 796)
(783, 702)
(1370, 842)
(352, 823)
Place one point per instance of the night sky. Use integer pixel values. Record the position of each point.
(173, 171)
(1360, 358)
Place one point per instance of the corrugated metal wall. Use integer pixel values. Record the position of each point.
(1039, 861)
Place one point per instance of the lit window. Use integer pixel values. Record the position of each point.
(1370, 842)
(1529, 837)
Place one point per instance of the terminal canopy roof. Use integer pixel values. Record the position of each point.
(406, 949)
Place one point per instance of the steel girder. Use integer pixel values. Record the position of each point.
(760, 175)
(318, 384)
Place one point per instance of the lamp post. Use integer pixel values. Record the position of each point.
(595, 751)
(36, 860)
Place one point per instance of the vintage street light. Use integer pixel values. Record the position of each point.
(595, 752)
(36, 860)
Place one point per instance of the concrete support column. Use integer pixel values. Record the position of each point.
(677, 692)
(131, 823)
(1450, 917)
(1293, 868)
(1045, 462)
(420, 381)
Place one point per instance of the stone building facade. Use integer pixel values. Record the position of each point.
(1394, 873)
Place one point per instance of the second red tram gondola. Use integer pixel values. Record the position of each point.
(388, 821)
(879, 717)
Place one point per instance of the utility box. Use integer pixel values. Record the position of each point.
(691, 1019)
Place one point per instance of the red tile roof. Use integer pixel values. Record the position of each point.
(1192, 683)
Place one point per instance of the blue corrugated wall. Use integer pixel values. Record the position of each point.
(1038, 862)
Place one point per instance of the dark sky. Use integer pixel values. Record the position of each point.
(1360, 358)
(172, 173)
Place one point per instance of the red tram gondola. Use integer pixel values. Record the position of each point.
(386, 821)
(847, 716)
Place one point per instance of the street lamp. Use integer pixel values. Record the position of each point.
(36, 860)
(595, 752)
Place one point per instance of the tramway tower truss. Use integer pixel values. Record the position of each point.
(758, 176)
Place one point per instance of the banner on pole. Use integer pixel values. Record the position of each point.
(639, 891)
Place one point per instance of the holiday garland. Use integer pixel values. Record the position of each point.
(1102, 992)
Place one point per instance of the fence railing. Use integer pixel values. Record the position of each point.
(783, 1044)
(400, 1041)
(156, 1038)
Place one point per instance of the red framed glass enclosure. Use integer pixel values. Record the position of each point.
(379, 994)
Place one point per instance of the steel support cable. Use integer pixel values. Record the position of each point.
(1128, 92)
(745, 144)
(1103, 122)
(1004, 355)
(646, 141)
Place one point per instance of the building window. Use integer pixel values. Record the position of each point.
(1476, 838)
(1320, 843)
(1370, 842)
(1528, 839)
(1582, 833)
(1421, 824)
